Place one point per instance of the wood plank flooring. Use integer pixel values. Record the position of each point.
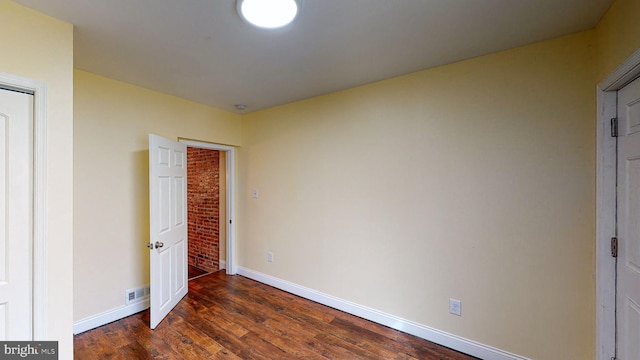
(195, 272)
(232, 317)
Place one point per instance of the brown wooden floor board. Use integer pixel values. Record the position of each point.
(84, 349)
(230, 324)
(134, 351)
(290, 340)
(330, 351)
(187, 330)
(155, 346)
(194, 272)
(225, 354)
(261, 345)
(185, 346)
(232, 317)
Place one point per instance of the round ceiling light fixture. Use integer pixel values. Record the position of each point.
(268, 14)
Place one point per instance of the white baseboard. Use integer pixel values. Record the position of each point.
(106, 317)
(434, 335)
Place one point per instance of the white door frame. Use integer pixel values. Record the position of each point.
(40, 240)
(606, 203)
(230, 152)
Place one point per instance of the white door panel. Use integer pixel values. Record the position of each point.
(168, 228)
(628, 289)
(16, 189)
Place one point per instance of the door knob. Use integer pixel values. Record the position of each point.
(150, 246)
(159, 244)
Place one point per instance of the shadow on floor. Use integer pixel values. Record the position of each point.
(195, 272)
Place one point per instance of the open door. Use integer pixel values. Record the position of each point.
(628, 264)
(168, 225)
(16, 215)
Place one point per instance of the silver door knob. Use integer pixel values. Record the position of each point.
(159, 244)
(150, 246)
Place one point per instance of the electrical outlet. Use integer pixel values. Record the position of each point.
(455, 307)
(254, 193)
(269, 256)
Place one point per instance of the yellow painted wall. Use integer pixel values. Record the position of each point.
(618, 35)
(473, 181)
(112, 122)
(39, 47)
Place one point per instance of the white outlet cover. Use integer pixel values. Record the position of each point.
(455, 307)
(254, 193)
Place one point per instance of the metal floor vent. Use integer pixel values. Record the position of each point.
(137, 294)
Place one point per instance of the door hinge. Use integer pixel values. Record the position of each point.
(614, 247)
(230, 221)
(614, 127)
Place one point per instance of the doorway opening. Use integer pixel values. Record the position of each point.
(226, 245)
(206, 207)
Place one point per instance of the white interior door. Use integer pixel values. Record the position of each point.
(168, 221)
(16, 189)
(628, 289)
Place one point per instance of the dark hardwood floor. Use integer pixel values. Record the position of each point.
(232, 317)
(195, 272)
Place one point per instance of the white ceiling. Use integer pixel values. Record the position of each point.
(201, 50)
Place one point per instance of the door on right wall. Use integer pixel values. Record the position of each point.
(628, 268)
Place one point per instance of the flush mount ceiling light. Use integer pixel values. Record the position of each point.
(268, 14)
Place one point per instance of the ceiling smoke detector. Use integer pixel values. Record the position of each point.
(240, 107)
(268, 14)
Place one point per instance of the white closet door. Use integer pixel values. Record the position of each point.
(16, 215)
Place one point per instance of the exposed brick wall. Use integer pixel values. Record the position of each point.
(203, 203)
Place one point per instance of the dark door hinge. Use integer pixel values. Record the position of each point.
(614, 247)
(614, 127)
